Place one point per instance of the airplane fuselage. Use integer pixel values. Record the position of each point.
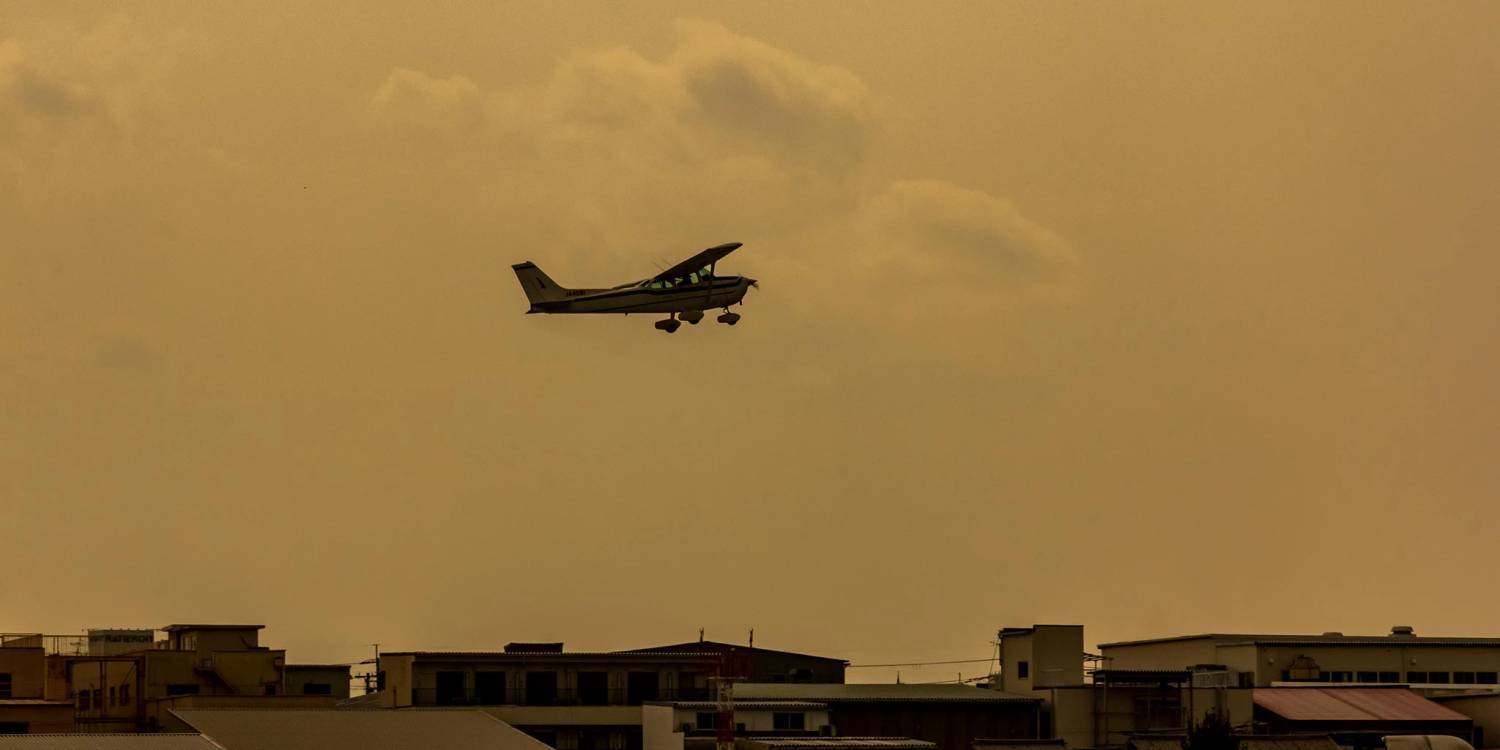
(720, 291)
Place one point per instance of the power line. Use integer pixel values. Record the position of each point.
(924, 663)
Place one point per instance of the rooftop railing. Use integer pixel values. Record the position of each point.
(66, 645)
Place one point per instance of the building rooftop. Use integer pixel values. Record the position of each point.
(555, 655)
(90, 741)
(716, 647)
(180, 626)
(848, 693)
(407, 729)
(1324, 639)
(1354, 704)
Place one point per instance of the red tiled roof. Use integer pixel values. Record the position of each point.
(1351, 704)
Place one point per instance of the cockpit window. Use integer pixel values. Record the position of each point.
(656, 285)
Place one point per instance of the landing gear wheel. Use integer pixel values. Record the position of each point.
(670, 325)
(729, 318)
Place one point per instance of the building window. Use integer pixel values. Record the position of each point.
(270, 689)
(788, 721)
(125, 694)
(489, 688)
(450, 688)
(15, 727)
(1390, 676)
(83, 700)
(1416, 678)
(640, 687)
(1486, 678)
(1437, 678)
(182, 688)
(1023, 669)
(541, 688)
(705, 721)
(5, 685)
(113, 699)
(1367, 677)
(1340, 676)
(317, 688)
(593, 688)
(1463, 678)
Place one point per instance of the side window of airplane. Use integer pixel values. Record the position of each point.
(693, 277)
(656, 285)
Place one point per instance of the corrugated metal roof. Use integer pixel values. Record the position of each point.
(1355, 704)
(406, 729)
(90, 741)
(836, 692)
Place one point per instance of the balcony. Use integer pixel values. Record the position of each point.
(469, 696)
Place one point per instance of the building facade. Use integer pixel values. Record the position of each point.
(1400, 657)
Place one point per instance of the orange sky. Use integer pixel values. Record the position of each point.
(1158, 317)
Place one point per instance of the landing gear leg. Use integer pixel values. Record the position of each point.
(729, 318)
(670, 325)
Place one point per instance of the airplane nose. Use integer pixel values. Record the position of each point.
(752, 282)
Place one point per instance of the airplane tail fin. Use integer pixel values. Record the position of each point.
(539, 287)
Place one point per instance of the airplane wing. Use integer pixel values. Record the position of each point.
(701, 260)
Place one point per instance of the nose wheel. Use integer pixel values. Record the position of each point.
(729, 318)
(670, 325)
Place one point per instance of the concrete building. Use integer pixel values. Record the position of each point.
(25, 704)
(116, 690)
(690, 725)
(580, 700)
(1106, 707)
(317, 679)
(1400, 657)
(951, 717)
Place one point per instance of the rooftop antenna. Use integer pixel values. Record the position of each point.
(752, 637)
(700, 635)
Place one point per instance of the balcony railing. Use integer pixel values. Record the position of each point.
(469, 696)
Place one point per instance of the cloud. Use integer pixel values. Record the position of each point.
(411, 98)
(616, 159)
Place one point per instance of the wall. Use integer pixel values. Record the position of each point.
(1015, 649)
(660, 728)
(27, 667)
(1161, 655)
(1485, 711)
(1056, 655)
(243, 672)
(397, 691)
(297, 677)
(41, 718)
(1089, 715)
(1392, 658)
(951, 725)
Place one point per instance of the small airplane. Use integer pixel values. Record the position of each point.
(683, 291)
